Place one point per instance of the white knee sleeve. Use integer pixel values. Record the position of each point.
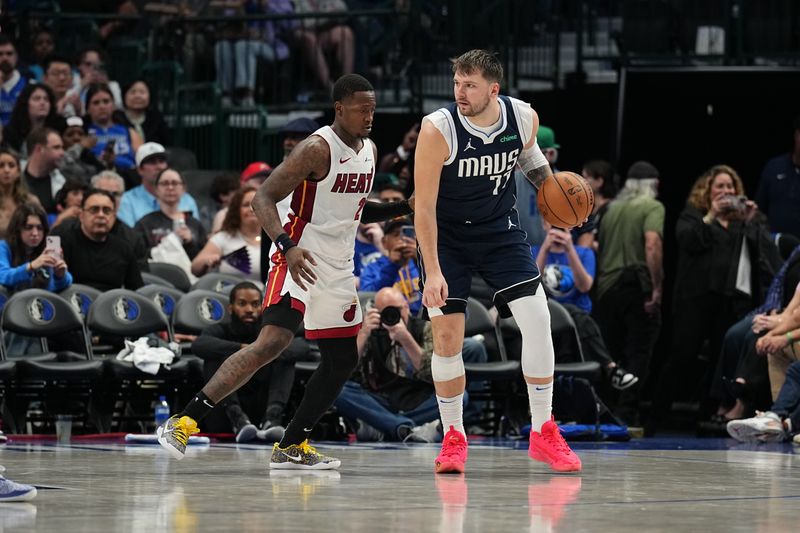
(533, 319)
(447, 368)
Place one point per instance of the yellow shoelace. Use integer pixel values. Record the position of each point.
(306, 448)
(184, 429)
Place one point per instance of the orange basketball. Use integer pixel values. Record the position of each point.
(565, 200)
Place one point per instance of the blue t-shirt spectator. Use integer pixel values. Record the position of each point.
(559, 281)
(365, 254)
(19, 277)
(383, 273)
(137, 203)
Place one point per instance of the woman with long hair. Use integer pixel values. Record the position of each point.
(35, 108)
(13, 191)
(116, 142)
(144, 118)
(24, 260)
(236, 248)
(721, 247)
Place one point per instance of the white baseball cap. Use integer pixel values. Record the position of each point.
(148, 149)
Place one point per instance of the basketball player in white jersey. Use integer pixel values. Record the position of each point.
(329, 177)
(466, 224)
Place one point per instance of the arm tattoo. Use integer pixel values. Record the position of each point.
(538, 175)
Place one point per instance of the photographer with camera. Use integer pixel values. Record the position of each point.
(392, 389)
(398, 268)
(723, 250)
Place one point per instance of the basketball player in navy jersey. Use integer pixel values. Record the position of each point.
(466, 223)
(329, 177)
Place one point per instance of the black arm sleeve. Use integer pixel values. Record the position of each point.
(379, 211)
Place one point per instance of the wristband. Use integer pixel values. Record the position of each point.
(284, 243)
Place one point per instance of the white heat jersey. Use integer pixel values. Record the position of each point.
(324, 215)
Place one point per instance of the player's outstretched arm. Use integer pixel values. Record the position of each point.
(432, 151)
(309, 159)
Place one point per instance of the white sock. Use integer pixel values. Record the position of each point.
(452, 413)
(541, 401)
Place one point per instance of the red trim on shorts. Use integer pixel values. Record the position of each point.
(297, 305)
(275, 281)
(333, 333)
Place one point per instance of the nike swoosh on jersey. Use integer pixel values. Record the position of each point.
(343, 161)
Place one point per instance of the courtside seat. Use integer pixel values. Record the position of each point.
(216, 282)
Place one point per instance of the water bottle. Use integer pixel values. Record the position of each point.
(161, 411)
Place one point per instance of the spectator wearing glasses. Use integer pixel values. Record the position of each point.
(13, 192)
(98, 257)
(11, 81)
(169, 218)
(58, 76)
(151, 160)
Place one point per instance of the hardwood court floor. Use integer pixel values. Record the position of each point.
(651, 485)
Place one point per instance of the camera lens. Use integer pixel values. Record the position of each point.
(390, 315)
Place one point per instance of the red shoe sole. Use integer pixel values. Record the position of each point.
(449, 468)
(537, 456)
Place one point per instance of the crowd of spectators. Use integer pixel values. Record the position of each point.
(85, 159)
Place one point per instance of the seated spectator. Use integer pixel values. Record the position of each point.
(42, 176)
(35, 108)
(112, 138)
(43, 44)
(392, 389)
(221, 191)
(13, 192)
(391, 193)
(325, 37)
(96, 256)
(24, 260)
(138, 114)
(568, 275)
(260, 40)
(79, 162)
(158, 224)
(252, 176)
(398, 268)
(27, 262)
(151, 159)
(295, 131)
(92, 71)
(68, 203)
(11, 81)
(236, 248)
(369, 248)
(782, 421)
(58, 76)
(399, 161)
(216, 343)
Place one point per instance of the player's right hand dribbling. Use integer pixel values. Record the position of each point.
(299, 262)
(435, 292)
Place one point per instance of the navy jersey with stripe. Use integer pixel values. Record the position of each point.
(477, 181)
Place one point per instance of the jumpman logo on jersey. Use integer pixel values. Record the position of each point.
(469, 145)
(511, 224)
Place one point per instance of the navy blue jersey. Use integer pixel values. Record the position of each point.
(477, 181)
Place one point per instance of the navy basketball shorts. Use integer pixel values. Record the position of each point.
(496, 250)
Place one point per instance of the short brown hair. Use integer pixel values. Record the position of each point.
(483, 61)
